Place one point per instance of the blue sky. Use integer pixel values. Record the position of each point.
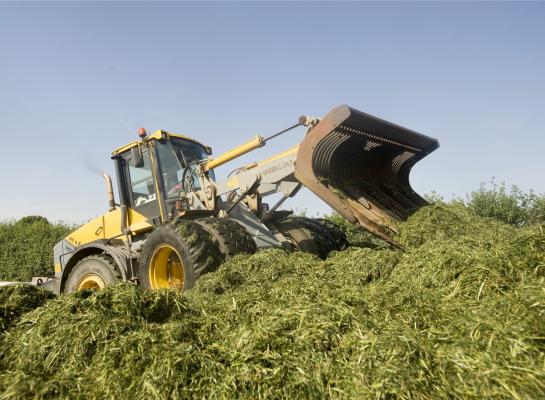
(72, 75)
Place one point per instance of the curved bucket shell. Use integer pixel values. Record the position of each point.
(360, 165)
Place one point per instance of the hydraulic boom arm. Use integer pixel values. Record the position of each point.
(358, 164)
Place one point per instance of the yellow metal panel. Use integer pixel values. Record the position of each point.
(232, 182)
(137, 222)
(58, 268)
(159, 134)
(107, 226)
(291, 150)
(155, 136)
(123, 149)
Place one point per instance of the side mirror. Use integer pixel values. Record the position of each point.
(136, 160)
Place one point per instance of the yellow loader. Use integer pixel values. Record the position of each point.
(174, 221)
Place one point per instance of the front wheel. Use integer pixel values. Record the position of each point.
(92, 272)
(176, 255)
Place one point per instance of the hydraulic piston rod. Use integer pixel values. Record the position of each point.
(255, 143)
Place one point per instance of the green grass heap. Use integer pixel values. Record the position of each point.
(460, 314)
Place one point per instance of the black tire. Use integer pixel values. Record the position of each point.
(306, 234)
(336, 233)
(230, 236)
(197, 250)
(90, 272)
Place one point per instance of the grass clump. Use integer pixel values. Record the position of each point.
(19, 299)
(355, 235)
(460, 314)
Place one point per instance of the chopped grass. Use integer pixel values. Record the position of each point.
(19, 299)
(460, 314)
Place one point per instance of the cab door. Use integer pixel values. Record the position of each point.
(142, 187)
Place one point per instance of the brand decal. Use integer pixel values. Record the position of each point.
(277, 167)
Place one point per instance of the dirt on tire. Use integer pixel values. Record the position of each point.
(231, 237)
(308, 235)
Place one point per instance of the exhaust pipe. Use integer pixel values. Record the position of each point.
(110, 191)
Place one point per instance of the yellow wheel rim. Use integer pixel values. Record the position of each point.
(90, 281)
(166, 269)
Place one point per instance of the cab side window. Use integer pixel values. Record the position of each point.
(142, 188)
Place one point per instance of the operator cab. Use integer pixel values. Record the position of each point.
(153, 173)
(178, 159)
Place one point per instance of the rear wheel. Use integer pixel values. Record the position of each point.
(176, 255)
(308, 235)
(92, 272)
(336, 233)
(230, 236)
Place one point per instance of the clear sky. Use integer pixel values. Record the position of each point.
(72, 75)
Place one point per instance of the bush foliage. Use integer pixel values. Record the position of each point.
(459, 315)
(512, 206)
(26, 247)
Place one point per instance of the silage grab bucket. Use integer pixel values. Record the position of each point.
(360, 165)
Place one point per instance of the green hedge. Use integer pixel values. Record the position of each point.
(26, 247)
(512, 206)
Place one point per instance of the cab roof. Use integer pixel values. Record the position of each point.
(157, 135)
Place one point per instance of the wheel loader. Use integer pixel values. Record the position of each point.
(174, 221)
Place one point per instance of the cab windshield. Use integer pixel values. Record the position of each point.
(175, 155)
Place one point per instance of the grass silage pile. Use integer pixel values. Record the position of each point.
(459, 314)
